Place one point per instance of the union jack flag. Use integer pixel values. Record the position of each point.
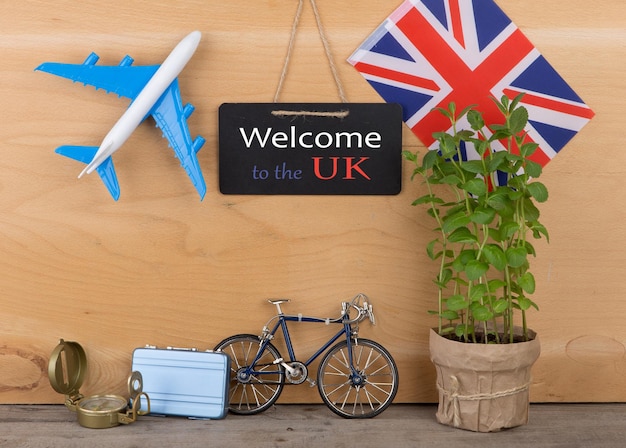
(431, 52)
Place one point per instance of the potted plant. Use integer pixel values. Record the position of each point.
(485, 215)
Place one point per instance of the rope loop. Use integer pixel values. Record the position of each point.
(325, 43)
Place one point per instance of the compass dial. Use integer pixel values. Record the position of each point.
(103, 404)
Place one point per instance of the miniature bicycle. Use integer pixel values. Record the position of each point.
(356, 378)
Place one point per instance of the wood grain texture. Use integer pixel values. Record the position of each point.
(160, 267)
(296, 426)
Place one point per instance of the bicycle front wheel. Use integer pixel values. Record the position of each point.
(253, 388)
(362, 390)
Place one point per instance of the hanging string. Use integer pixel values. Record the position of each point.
(329, 55)
(292, 39)
(325, 43)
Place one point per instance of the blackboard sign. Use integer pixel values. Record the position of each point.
(326, 148)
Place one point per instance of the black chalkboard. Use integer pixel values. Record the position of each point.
(315, 149)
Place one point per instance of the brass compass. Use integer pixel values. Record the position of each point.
(66, 371)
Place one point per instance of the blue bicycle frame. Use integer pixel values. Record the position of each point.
(282, 323)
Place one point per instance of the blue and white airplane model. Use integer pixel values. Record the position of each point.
(153, 90)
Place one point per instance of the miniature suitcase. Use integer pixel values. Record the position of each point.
(184, 382)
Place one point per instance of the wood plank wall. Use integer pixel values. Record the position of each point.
(160, 267)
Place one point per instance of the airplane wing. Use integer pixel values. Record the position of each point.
(106, 170)
(171, 118)
(124, 79)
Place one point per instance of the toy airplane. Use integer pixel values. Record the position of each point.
(153, 90)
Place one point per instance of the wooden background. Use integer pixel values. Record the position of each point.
(160, 267)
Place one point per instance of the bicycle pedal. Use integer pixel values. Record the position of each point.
(312, 383)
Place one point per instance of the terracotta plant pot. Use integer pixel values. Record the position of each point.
(483, 387)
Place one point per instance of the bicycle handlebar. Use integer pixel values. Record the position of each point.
(364, 310)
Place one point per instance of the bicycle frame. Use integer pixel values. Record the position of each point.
(281, 323)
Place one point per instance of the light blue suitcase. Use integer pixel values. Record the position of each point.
(184, 382)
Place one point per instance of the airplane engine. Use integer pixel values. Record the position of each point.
(126, 61)
(188, 110)
(91, 59)
(198, 142)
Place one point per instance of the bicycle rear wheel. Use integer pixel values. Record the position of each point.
(362, 392)
(253, 389)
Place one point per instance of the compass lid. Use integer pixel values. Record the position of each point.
(67, 368)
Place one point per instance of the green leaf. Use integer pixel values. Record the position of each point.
(495, 160)
(481, 146)
(455, 221)
(482, 313)
(530, 249)
(525, 303)
(517, 182)
(466, 110)
(464, 135)
(483, 215)
(518, 120)
(496, 284)
(429, 159)
(445, 112)
(503, 107)
(515, 195)
(499, 132)
(457, 265)
(495, 234)
(498, 200)
(533, 169)
(456, 303)
(538, 191)
(473, 166)
(516, 256)
(452, 179)
(464, 257)
(500, 305)
(430, 250)
(527, 149)
(476, 187)
(527, 282)
(515, 101)
(495, 256)
(427, 199)
(478, 292)
(450, 315)
(446, 330)
(410, 156)
(475, 119)
(531, 213)
(538, 230)
(462, 235)
(475, 269)
(452, 108)
(444, 278)
(508, 229)
(447, 146)
(455, 207)
(462, 330)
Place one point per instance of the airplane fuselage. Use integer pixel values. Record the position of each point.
(145, 100)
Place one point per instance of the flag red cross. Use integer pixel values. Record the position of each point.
(468, 86)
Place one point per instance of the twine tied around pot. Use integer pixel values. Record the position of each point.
(454, 398)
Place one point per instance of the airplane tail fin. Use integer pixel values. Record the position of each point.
(106, 170)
